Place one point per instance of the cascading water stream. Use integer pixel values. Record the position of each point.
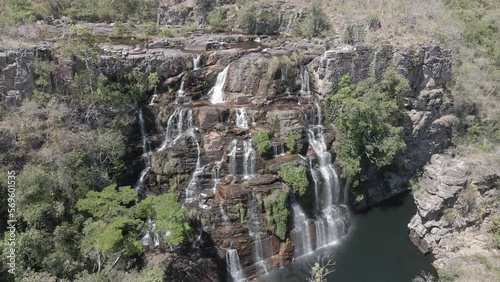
(249, 160)
(233, 147)
(181, 92)
(196, 62)
(241, 118)
(217, 92)
(179, 123)
(152, 101)
(234, 266)
(146, 152)
(193, 189)
(331, 215)
(302, 240)
(278, 149)
(254, 228)
(304, 84)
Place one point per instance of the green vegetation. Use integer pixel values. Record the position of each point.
(295, 176)
(277, 212)
(115, 223)
(217, 19)
(18, 12)
(315, 24)
(254, 19)
(293, 141)
(496, 232)
(366, 116)
(263, 143)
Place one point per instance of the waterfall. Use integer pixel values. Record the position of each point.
(223, 214)
(302, 233)
(146, 152)
(249, 160)
(151, 237)
(254, 228)
(232, 156)
(217, 92)
(196, 62)
(179, 123)
(304, 84)
(216, 174)
(193, 189)
(180, 92)
(278, 149)
(331, 215)
(152, 101)
(241, 118)
(234, 266)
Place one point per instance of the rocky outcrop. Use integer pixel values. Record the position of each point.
(457, 203)
(429, 118)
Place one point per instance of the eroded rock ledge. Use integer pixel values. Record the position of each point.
(457, 201)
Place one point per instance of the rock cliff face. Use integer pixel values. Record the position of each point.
(457, 202)
(207, 153)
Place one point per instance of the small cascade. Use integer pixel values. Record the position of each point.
(194, 187)
(254, 123)
(152, 101)
(216, 174)
(152, 237)
(223, 214)
(217, 92)
(254, 228)
(196, 62)
(284, 75)
(179, 123)
(233, 147)
(330, 211)
(180, 92)
(305, 90)
(234, 266)
(146, 152)
(302, 238)
(250, 159)
(241, 118)
(278, 149)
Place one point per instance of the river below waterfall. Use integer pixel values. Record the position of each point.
(376, 249)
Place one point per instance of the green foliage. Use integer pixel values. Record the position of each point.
(252, 15)
(112, 228)
(275, 126)
(168, 215)
(365, 116)
(167, 32)
(293, 141)
(277, 212)
(316, 22)
(217, 19)
(353, 34)
(295, 177)
(16, 12)
(263, 143)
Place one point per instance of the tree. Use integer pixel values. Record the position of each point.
(112, 228)
(366, 117)
(323, 266)
(168, 215)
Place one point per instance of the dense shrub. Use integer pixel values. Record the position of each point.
(263, 143)
(293, 141)
(277, 212)
(295, 177)
(316, 22)
(217, 19)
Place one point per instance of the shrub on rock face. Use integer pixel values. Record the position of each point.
(295, 177)
(277, 212)
(263, 143)
(292, 141)
(217, 19)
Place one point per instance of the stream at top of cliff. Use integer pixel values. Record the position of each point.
(376, 249)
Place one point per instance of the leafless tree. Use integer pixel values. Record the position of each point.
(324, 265)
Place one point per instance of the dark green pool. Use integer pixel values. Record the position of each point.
(377, 249)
